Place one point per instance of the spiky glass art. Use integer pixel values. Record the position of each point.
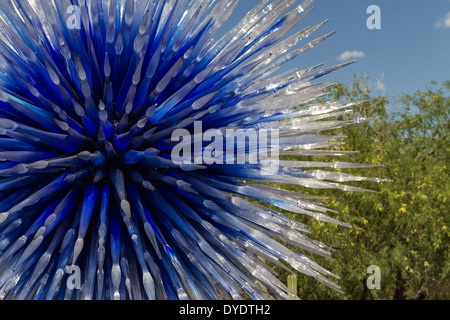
(92, 203)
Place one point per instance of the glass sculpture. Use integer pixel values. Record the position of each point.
(92, 203)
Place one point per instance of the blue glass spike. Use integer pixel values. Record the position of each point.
(108, 130)
(59, 141)
(98, 159)
(89, 203)
(131, 157)
(122, 141)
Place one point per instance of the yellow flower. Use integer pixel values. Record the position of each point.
(402, 210)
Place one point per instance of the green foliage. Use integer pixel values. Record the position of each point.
(403, 228)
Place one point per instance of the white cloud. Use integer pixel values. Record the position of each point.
(444, 22)
(347, 55)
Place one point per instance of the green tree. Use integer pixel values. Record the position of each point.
(403, 228)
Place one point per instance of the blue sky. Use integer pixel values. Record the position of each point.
(411, 49)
